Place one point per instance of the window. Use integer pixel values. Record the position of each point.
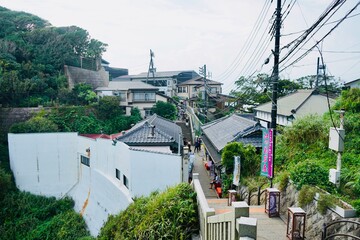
(85, 160)
(195, 89)
(182, 89)
(214, 90)
(144, 96)
(117, 173)
(120, 95)
(126, 181)
(148, 112)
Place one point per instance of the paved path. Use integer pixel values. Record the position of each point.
(204, 176)
(267, 228)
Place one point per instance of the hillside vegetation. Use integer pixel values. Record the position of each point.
(168, 215)
(32, 57)
(303, 154)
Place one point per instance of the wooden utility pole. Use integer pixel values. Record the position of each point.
(275, 81)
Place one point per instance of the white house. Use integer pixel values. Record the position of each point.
(101, 175)
(133, 94)
(293, 106)
(166, 81)
(353, 84)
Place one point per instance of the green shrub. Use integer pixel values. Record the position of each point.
(306, 195)
(5, 183)
(250, 160)
(325, 201)
(283, 179)
(309, 173)
(28, 216)
(168, 215)
(356, 205)
(34, 125)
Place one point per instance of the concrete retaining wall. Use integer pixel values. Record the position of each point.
(314, 220)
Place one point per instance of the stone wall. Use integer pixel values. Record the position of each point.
(9, 116)
(314, 220)
(79, 75)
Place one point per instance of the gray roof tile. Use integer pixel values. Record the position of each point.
(126, 85)
(228, 129)
(166, 132)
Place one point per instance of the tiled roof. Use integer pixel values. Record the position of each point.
(160, 74)
(228, 129)
(145, 134)
(200, 81)
(165, 131)
(126, 85)
(163, 74)
(287, 103)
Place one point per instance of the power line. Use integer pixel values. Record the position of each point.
(298, 41)
(249, 43)
(301, 31)
(327, 34)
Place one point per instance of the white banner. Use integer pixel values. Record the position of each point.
(237, 166)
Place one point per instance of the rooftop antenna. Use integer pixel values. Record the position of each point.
(151, 69)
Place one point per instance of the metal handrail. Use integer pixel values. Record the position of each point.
(325, 227)
(258, 194)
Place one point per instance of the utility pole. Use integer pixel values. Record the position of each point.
(202, 70)
(151, 66)
(317, 74)
(275, 82)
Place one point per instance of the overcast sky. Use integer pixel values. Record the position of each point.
(185, 35)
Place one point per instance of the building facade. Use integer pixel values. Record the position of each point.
(101, 175)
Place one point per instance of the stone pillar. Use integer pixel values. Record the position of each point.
(246, 228)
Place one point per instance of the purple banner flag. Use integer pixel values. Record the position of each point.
(267, 153)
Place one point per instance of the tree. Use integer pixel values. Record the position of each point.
(250, 160)
(83, 94)
(32, 56)
(165, 109)
(331, 84)
(109, 107)
(258, 89)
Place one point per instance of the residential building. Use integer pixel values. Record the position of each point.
(133, 94)
(101, 175)
(353, 84)
(232, 128)
(293, 106)
(196, 86)
(154, 133)
(165, 81)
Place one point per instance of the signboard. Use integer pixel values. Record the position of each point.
(236, 175)
(267, 153)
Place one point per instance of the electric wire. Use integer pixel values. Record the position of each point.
(253, 34)
(301, 31)
(317, 42)
(298, 41)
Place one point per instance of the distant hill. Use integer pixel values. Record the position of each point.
(32, 56)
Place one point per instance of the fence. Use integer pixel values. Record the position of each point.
(217, 226)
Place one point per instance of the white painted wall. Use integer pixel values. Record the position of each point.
(44, 164)
(150, 171)
(49, 164)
